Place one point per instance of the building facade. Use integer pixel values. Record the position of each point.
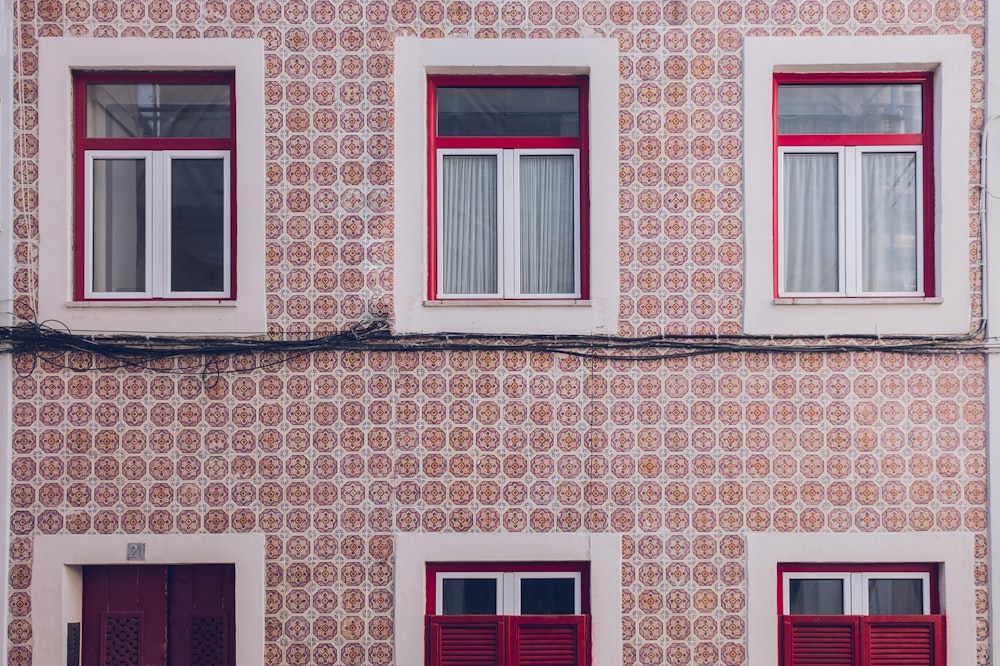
(371, 332)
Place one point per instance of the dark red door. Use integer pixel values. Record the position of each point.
(124, 616)
(149, 615)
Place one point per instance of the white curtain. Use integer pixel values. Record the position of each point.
(468, 225)
(888, 221)
(811, 220)
(816, 596)
(548, 224)
(119, 225)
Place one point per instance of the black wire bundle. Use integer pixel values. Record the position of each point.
(46, 343)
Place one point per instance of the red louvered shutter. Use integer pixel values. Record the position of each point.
(820, 640)
(548, 640)
(902, 640)
(465, 640)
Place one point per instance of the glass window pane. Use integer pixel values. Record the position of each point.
(850, 109)
(889, 221)
(157, 110)
(469, 596)
(895, 596)
(528, 111)
(815, 596)
(548, 225)
(811, 218)
(197, 225)
(547, 596)
(468, 225)
(119, 231)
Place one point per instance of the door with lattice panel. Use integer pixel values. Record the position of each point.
(158, 615)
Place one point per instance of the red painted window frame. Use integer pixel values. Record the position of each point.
(805, 567)
(925, 139)
(434, 568)
(862, 623)
(83, 144)
(580, 142)
(508, 625)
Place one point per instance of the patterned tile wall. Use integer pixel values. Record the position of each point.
(333, 453)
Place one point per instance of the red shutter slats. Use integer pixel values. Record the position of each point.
(547, 640)
(465, 640)
(910, 640)
(820, 640)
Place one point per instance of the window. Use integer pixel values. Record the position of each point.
(158, 615)
(855, 184)
(861, 614)
(832, 244)
(172, 265)
(154, 171)
(508, 613)
(506, 189)
(508, 171)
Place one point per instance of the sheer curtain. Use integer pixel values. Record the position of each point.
(548, 224)
(888, 221)
(118, 213)
(468, 225)
(811, 222)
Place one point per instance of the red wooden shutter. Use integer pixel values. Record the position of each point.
(820, 640)
(465, 640)
(548, 640)
(902, 640)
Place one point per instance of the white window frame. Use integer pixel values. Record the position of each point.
(508, 587)
(949, 312)
(416, 59)
(158, 246)
(59, 58)
(509, 220)
(850, 237)
(855, 587)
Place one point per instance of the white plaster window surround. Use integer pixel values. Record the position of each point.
(415, 59)
(949, 311)
(59, 57)
(953, 552)
(603, 551)
(57, 582)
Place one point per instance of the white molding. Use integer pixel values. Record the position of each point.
(415, 59)
(990, 218)
(950, 57)
(58, 57)
(57, 587)
(953, 551)
(603, 551)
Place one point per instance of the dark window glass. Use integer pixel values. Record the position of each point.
(527, 111)
(469, 596)
(547, 596)
(895, 596)
(850, 108)
(815, 596)
(157, 110)
(197, 224)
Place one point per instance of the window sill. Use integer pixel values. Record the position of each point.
(509, 303)
(860, 300)
(208, 303)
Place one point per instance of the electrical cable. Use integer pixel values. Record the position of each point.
(44, 342)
